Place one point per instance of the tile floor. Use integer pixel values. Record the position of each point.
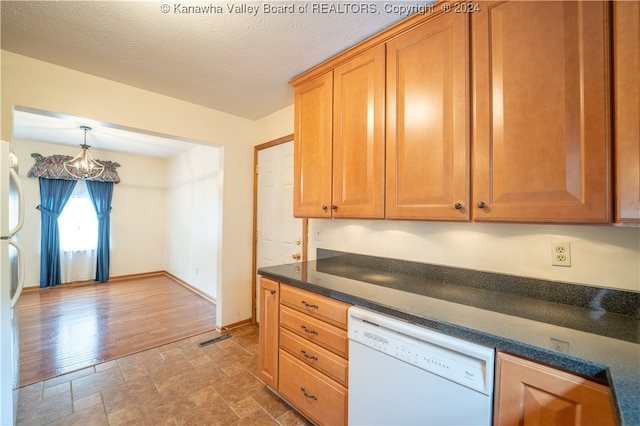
(177, 384)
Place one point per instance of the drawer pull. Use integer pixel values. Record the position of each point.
(306, 330)
(306, 355)
(308, 305)
(304, 392)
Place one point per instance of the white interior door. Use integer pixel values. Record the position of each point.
(279, 233)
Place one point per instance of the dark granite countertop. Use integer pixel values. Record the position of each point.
(514, 314)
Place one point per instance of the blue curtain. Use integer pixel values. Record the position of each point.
(54, 194)
(101, 194)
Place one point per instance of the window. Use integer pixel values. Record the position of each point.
(78, 222)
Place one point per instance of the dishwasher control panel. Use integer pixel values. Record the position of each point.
(463, 362)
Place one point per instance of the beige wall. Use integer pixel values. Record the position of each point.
(40, 85)
(275, 125)
(192, 231)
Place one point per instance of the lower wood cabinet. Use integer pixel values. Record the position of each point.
(304, 350)
(269, 329)
(529, 393)
(323, 400)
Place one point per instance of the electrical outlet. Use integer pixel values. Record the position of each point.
(561, 254)
(318, 233)
(559, 346)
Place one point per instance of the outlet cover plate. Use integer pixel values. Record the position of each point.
(559, 345)
(561, 254)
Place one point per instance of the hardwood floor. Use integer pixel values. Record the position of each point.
(68, 328)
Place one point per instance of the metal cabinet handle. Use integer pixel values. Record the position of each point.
(334, 208)
(306, 330)
(306, 355)
(481, 205)
(304, 392)
(324, 208)
(272, 292)
(308, 305)
(458, 205)
(296, 256)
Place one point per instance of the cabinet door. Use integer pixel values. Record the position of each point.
(269, 330)
(528, 393)
(626, 38)
(427, 149)
(541, 136)
(312, 148)
(358, 136)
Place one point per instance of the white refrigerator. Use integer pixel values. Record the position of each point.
(11, 278)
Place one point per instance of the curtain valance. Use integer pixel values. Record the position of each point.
(52, 167)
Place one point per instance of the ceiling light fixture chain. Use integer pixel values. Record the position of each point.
(83, 166)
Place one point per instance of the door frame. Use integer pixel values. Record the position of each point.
(305, 221)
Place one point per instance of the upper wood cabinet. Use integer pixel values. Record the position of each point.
(339, 141)
(427, 143)
(503, 115)
(312, 147)
(626, 42)
(358, 136)
(529, 393)
(541, 138)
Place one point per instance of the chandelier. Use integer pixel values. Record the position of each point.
(83, 166)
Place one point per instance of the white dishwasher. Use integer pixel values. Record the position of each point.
(405, 374)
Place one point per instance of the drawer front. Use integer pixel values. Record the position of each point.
(316, 331)
(314, 356)
(313, 393)
(324, 308)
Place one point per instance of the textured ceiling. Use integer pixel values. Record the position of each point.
(237, 60)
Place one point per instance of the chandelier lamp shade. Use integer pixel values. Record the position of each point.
(83, 166)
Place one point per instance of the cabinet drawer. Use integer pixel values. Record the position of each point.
(326, 309)
(313, 393)
(314, 356)
(316, 331)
